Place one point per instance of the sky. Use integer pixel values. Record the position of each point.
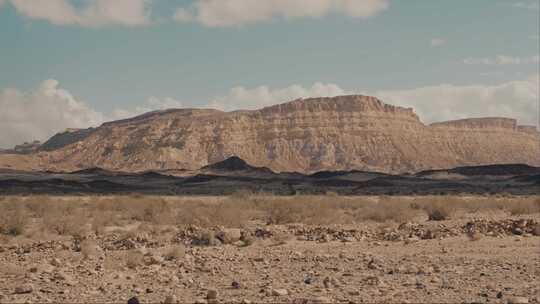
(79, 63)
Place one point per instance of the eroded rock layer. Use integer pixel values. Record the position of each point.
(306, 135)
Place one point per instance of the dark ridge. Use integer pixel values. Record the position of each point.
(153, 174)
(234, 163)
(66, 138)
(95, 171)
(493, 170)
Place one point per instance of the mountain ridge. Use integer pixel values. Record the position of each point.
(352, 132)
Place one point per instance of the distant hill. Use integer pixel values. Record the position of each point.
(488, 170)
(342, 133)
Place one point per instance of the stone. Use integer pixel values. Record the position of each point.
(321, 300)
(517, 300)
(170, 299)
(280, 292)
(133, 300)
(25, 288)
(56, 262)
(211, 294)
(229, 235)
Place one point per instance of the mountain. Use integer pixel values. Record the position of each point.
(306, 135)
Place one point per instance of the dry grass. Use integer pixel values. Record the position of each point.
(81, 216)
(13, 219)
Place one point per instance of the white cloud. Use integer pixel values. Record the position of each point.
(531, 5)
(152, 104)
(249, 99)
(220, 13)
(436, 42)
(515, 99)
(38, 114)
(502, 60)
(93, 14)
(42, 112)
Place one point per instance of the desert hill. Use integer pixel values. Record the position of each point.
(307, 135)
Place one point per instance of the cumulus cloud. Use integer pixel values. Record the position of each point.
(93, 14)
(221, 13)
(502, 60)
(152, 104)
(515, 99)
(249, 99)
(38, 114)
(436, 42)
(48, 109)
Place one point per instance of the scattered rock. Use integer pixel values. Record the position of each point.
(133, 300)
(171, 299)
(321, 300)
(280, 292)
(235, 285)
(229, 236)
(517, 300)
(25, 288)
(211, 294)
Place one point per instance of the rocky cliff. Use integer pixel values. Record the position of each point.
(306, 135)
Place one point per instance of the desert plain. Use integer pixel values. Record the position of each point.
(260, 248)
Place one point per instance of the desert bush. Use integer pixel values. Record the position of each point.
(64, 218)
(175, 253)
(437, 211)
(384, 210)
(89, 248)
(133, 259)
(13, 219)
(524, 206)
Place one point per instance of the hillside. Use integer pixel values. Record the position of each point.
(307, 135)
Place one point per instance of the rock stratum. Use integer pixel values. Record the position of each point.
(305, 135)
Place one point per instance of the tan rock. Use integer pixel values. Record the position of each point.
(305, 135)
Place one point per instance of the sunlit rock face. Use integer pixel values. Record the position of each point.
(305, 135)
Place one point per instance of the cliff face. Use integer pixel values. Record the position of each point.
(339, 133)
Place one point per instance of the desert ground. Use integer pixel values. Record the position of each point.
(256, 248)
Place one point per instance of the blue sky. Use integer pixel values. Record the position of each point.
(154, 54)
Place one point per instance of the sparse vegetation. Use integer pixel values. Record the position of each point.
(80, 216)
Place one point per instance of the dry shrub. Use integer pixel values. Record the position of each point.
(175, 253)
(229, 213)
(303, 209)
(524, 206)
(13, 218)
(437, 211)
(281, 238)
(134, 259)
(65, 218)
(384, 210)
(206, 238)
(89, 248)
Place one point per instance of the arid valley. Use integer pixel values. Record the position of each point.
(269, 151)
(249, 248)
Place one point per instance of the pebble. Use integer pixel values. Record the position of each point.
(517, 300)
(170, 300)
(133, 300)
(280, 292)
(25, 288)
(211, 294)
(321, 300)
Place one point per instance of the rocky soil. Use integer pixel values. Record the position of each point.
(488, 258)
